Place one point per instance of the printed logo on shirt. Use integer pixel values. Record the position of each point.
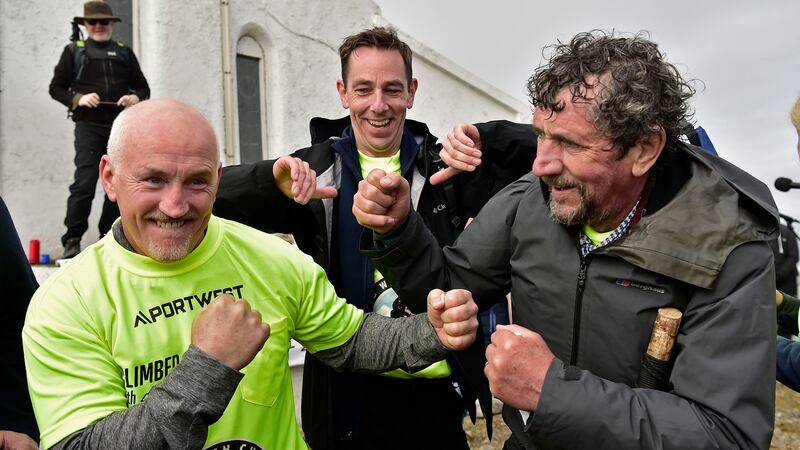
(149, 372)
(645, 287)
(235, 444)
(180, 305)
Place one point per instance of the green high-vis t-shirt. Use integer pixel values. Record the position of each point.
(112, 324)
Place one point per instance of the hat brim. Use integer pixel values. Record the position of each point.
(80, 20)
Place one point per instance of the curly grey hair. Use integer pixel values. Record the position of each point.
(640, 90)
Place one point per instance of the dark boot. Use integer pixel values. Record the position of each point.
(71, 248)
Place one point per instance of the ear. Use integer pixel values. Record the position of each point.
(645, 153)
(107, 176)
(215, 185)
(342, 94)
(412, 90)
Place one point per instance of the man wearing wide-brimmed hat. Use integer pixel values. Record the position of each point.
(97, 10)
(96, 79)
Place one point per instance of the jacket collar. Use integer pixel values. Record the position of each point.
(716, 209)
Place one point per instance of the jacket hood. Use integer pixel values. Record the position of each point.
(717, 208)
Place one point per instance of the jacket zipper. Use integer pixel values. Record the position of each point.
(576, 321)
(106, 70)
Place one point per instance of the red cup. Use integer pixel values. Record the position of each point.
(33, 251)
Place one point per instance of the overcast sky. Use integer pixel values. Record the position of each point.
(746, 53)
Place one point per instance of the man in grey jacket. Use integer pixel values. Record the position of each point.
(619, 218)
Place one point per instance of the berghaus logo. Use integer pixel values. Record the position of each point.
(645, 287)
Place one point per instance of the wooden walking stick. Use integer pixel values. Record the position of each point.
(656, 363)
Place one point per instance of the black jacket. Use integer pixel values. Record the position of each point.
(785, 250)
(109, 69)
(248, 194)
(16, 412)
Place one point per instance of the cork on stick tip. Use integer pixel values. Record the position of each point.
(665, 330)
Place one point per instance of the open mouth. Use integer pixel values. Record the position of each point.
(379, 123)
(560, 184)
(563, 191)
(170, 225)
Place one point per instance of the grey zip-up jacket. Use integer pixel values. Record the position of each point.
(701, 246)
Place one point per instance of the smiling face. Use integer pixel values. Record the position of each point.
(378, 93)
(99, 30)
(589, 183)
(164, 178)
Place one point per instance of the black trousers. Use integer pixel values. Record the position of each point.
(90, 145)
(353, 411)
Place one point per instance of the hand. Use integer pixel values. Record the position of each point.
(461, 152)
(382, 201)
(517, 361)
(229, 331)
(89, 100)
(298, 181)
(778, 298)
(11, 440)
(128, 100)
(454, 317)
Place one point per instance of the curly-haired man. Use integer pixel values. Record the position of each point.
(618, 219)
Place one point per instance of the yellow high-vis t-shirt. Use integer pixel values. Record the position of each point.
(387, 296)
(109, 326)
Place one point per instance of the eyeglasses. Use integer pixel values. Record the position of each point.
(94, 22)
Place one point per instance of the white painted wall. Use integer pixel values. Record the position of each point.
(179, 47)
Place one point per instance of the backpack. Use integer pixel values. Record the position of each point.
(78, 48)
(697, 136)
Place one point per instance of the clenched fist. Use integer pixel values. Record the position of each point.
(11, 440)
(382, 202)
(229, 331)
(454, 316)
(516, 364)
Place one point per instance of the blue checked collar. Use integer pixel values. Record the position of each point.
(586, 245)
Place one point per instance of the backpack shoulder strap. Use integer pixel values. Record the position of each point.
(78, 58)
(124, 52)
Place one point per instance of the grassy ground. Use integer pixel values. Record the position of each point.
(787, 419)
(786, 436)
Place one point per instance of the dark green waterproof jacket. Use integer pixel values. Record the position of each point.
(701, 246)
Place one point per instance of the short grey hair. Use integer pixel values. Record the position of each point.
(119, 134)
(129, 120)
